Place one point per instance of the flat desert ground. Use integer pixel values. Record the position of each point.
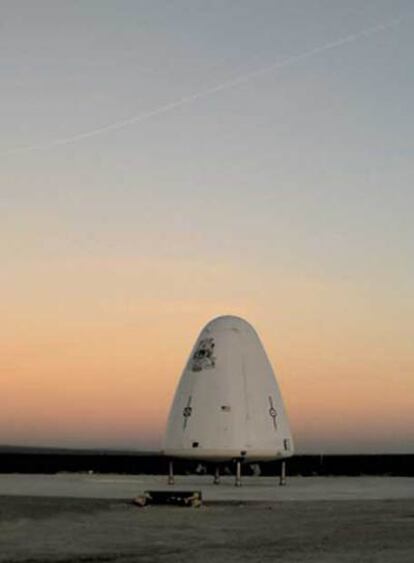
(71, 518)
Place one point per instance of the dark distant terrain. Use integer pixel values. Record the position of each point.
(52, 460)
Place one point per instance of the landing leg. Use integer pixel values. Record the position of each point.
(238, 474)
(282, 480)
(217, 476)
(171, 480)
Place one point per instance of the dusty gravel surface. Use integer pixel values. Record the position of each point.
(67, 530)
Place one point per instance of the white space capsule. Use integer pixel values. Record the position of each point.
(228, 405)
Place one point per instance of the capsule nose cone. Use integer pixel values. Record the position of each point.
(229, 322)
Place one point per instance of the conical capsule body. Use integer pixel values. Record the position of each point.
(227, 404)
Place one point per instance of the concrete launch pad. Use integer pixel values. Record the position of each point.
(74, 518)
(254, 489)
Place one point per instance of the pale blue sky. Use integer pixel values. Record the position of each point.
(311, 149)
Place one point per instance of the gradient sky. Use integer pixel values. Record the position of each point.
(287, 199)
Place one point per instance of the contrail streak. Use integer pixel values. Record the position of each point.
(228, 84)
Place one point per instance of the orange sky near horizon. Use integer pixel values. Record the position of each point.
(94, 360)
